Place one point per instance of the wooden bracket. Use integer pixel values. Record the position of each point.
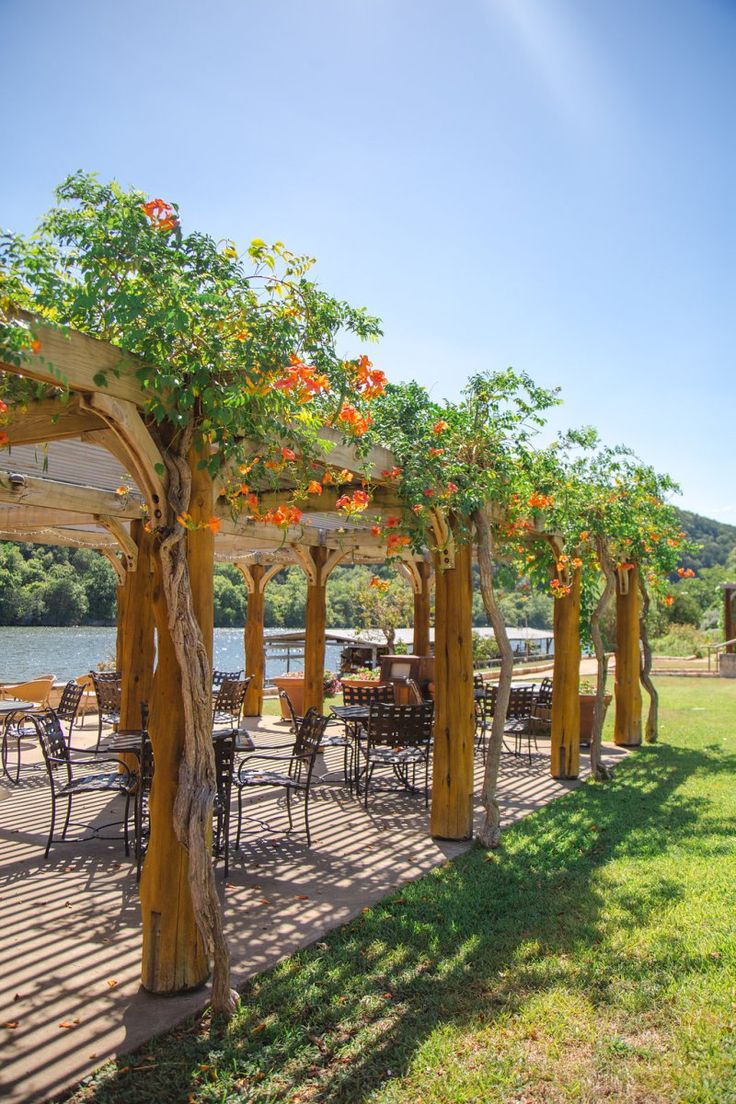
(318, 574)
(265, 579)
(128, 547)
(145, 461)
(408, 569)
(445, 541)
(306, 563)
(120, 569)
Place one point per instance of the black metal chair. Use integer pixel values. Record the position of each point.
(298, 772)
(400, 737)
(341, 742)
(519, 718)
(224, 745)
(66, 780)
(363, 696)
(229, 701)
(108, 685)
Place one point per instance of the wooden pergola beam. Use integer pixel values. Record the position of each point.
(48, 420)
(71, 538)
(52, 494)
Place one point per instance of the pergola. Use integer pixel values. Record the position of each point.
(95, 441)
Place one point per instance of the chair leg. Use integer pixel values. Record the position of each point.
(53, 821)
(306, 816)
(240, 816)
(288, 807)
(68, 815)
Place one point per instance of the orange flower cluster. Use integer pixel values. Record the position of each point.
(353, 504)
(560, 589)
(356, 422)
(436, 452)
(440, 427)
(189, 523)
(369, 381)
(3, 407)
(686, 573)
(539, 501)
(668, 600)
(397, 541)
(314, 487)
(282, 516)
(36, 346)
(626, 566)
(301, 381)
(392, 473)
(379, 584)
(161, 214)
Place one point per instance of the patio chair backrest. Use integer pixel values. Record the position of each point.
(35, 690)
(224, 748)
(544, 694)
(521, 701)
(218, 677)
(71, 696)
(366, 695)
(400, 725)
(108, 685)
(294, 718)
(306, 745)
(51, 738)
(478, 681)
(230, 699)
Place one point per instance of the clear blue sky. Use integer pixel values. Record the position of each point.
(539, 183)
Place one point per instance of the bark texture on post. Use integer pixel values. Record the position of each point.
(597, 769)
(421, 610)
(627, 725)
(255, 666)
(454, 725)
(565, 734)
(490, 832)
(178, 887)
(136, 646)
(316, 624)
(651, 729)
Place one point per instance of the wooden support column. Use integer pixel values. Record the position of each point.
(627, 725)
(136, 630)
(256, 579)
(174, 958)
(565, 734)
(316, 624)
(421, 610)
(454, 726)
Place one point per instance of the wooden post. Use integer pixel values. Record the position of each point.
(454, 726)
(316, 624)
(136, 631)
(174, 957)
(627, 725)
(421, 610)
(255, 666)
(729, 627)
(565, 734)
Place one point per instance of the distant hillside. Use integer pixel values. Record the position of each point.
(717, 540)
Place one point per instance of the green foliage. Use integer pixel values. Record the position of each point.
(217, 333)
(42, 585)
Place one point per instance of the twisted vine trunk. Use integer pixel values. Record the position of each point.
(651, 730)
(196, 782)
(599, 772)
(490, 831)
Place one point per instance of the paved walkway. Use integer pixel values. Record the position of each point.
(69, 927)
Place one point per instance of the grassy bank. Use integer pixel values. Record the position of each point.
(592, 959)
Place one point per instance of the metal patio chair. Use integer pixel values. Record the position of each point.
(295, 774)
(400, 737)
(228, 706)
(68, 776)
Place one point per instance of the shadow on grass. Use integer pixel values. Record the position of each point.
(331, 1023)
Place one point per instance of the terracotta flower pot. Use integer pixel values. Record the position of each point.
(348, 681)
(294, 687)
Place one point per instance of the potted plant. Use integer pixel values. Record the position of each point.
(363, 676)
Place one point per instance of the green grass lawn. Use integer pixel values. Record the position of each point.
(592, 959)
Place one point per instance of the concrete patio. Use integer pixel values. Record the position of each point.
(69, 926)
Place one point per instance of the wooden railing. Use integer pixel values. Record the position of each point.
(717, 649)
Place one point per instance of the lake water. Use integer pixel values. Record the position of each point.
(27, 652)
